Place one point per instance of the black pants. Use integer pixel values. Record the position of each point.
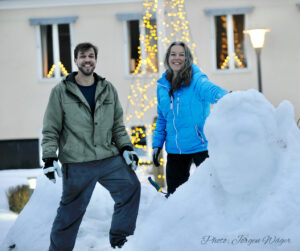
(178, 168)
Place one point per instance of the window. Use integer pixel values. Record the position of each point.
(64, 44)
(139, 139)
(228, 38)
(133, 28)
(142, 142)
(19, 154)
(230, 49)
(54, 40)
(140, 57)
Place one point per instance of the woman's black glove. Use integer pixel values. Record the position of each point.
(155, 154)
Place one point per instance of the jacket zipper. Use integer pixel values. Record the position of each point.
(177, 105)
(199, 134)
(176, 137)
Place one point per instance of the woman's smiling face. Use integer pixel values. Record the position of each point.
(177, 58)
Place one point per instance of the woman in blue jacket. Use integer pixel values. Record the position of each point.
(184, 96)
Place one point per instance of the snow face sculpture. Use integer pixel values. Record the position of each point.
(254, 161)
(245, 196)
(244, 142)
(241, 171)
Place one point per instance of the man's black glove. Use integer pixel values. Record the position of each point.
(51, 165)
(155, 154)
(131, 159)
(130, 156)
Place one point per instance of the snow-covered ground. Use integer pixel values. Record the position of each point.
(11, 178)
(246, 196)
(32, 228)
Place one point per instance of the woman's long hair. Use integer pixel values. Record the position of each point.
(184, 76)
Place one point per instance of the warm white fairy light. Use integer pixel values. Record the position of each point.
(62, 68)
(51, 72)
(176, 26)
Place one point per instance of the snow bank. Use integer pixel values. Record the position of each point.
(246, 196)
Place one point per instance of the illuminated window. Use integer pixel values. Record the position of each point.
(230, 47)
(228, 38)
(140, 57)
(64, 43)
(139, 139)
(138, 51)
(54, 40)
(133, 28)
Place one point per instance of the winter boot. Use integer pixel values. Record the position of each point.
(117, 239)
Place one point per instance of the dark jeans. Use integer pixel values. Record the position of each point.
(79, 181)
(178, 168)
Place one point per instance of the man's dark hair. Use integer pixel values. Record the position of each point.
(84, 47)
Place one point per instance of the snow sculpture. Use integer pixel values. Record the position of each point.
(253, 149)
(246, 195)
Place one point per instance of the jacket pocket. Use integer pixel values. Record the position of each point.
(65, 171)
(72, 146)
(166, 105)
(108, 102)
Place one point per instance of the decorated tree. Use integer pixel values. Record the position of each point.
(164, 21)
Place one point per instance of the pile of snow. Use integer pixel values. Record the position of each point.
(31, 231)
(10, 179)
(246, 196)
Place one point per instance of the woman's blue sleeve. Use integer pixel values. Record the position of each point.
(209, 91)
(159, 134)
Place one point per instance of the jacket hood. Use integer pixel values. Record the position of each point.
(163, 81)
(70, 83)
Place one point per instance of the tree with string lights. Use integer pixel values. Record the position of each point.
(164, 21)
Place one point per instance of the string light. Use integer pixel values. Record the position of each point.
(50, 73)
(238, 55)
(62, 68)
(142, 98)
(177, 28)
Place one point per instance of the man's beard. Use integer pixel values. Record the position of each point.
(87, 73)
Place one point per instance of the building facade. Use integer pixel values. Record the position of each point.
(38, 38)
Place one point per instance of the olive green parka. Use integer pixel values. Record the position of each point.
(80, 136)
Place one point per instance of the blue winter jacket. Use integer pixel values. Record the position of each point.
(181, 118)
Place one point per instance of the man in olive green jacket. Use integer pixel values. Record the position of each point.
(84, 122)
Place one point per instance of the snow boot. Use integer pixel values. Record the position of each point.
(117, 239)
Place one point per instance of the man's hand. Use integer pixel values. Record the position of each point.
(155, 154)
(131, 158)
(51, 166)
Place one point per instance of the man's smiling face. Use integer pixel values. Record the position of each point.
(86, 61)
